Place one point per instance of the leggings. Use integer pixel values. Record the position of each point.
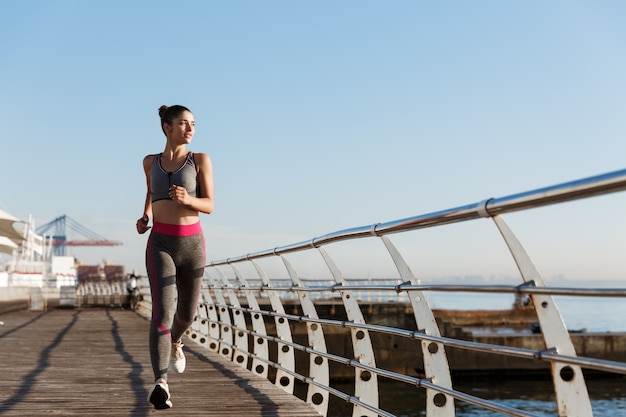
(175, 259)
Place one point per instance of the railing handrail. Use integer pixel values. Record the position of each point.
(405, 286)
(568, 191)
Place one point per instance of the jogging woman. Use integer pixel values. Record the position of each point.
(179, 188)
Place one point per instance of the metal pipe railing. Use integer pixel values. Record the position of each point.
(542, 355)
(233, 295)
(480, 288)
(568, 191)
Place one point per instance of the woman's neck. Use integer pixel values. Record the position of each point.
(174, 153)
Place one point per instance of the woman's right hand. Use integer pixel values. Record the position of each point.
(142, 224)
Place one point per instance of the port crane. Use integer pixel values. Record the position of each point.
(59, 226)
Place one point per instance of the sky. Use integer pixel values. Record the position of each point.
(323, 116)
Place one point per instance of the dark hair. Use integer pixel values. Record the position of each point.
(168, 113)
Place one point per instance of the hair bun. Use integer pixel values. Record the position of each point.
(162, 110)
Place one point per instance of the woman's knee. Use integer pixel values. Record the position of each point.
(185, 318)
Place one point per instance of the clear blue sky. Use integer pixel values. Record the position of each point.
(321, 116)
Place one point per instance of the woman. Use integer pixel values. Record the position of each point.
(180, 187)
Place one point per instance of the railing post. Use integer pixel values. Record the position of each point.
(240, 354)
(200, 326)
(436, 364)
(318, 365)
(569, 382)
(226, 335)
(213, 330)
(261, 350)
(366, 382)
(286, 355)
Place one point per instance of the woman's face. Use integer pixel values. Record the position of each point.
(182, 128)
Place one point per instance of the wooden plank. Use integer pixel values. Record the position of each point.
(95, 362)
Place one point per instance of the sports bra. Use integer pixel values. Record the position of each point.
(161, 180)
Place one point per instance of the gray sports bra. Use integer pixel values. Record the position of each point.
(161, 180)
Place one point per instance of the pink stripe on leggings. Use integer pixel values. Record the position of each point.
(177, 229)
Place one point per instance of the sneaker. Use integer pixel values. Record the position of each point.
(177, 360)
(159, 396)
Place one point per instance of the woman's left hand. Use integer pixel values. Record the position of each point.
(179, 194)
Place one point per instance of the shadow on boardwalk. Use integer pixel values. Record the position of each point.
(95, 362)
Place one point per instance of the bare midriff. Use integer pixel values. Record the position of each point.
(171, 212)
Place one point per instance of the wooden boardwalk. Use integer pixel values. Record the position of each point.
(95, 362)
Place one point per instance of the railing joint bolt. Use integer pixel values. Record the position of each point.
(530, 283)
(539, 354)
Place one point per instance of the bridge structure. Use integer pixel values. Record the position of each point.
(302, 335)
(59, 229)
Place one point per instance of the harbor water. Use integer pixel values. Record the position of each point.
(608, 398)
(533, 395)
(593, 314)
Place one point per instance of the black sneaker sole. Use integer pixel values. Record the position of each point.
(160, 399)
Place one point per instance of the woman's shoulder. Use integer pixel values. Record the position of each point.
(202, 162)
(200, 157)
(151, 156)
(149, 159)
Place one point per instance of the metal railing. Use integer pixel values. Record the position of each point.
(279, 328)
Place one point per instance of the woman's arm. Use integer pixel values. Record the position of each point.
(204, 203)
(142, 223)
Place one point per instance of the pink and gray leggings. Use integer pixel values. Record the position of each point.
(175, 259)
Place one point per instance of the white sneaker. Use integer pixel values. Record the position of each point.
(159, 396)
(177, 360)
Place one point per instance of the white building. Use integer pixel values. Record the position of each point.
(28, 257)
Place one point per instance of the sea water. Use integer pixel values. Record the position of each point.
(593, 314)
(608, 398)
(536, 396)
